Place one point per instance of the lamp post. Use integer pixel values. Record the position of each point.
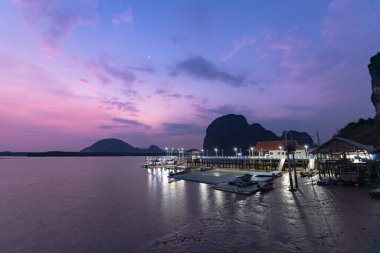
(167, 153)
(216, 152)
(203, 152)
(251, 151)
(306, 146)
(280, 147)
(222, 152)
(171, 153)
(235, 151)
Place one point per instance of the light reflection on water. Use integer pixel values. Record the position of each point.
(105, 203)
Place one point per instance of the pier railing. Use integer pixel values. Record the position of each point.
(349, 171)
(243, 163)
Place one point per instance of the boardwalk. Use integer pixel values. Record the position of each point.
(244, 163)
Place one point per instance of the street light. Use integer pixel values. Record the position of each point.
(306, 146)
(172, 152)
(251, 151)
(166, 151)
(280, 147)
(203, 152)
(235, 151)
(216, 152)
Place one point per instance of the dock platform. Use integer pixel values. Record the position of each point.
(218, 176)
(246, 190)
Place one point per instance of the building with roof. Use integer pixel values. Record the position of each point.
(346, 160)
(339, 148)
(376, 153)
(193, 152)
(278, 148)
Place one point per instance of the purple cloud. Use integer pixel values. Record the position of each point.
(160, 92)
(122, 74)
(166, 94)
(183, 129)
(122, 106)
(55, 19)
(141, 69)
(200, 68)
(130, 122)
(209, 113)
(124, 17)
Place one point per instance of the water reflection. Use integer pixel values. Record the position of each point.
(204, 197)
(178, 200)
(218, 196)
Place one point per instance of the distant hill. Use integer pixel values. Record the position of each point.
(153, 149)
(302, 138)
(232, 130)
(365, 131)
(118, 146)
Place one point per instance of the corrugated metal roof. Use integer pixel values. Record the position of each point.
(275, 145)
(367, 148)
(347, 145)
(193, 150)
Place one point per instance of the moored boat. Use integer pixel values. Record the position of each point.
(307, 173)
(242, 181)
(375, 193)
(265, 186)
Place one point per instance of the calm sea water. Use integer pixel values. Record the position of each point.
(110, 204)
(95, 204)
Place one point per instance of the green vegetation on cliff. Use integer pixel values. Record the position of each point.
(365, 131)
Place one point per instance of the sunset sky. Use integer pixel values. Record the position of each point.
(158, 72)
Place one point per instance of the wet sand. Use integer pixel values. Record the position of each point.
(312, 219)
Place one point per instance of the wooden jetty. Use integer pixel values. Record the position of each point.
(244, 163)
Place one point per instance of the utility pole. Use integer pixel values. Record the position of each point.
(289, 169)
(294, 148)
(295, 171)
(319, 171)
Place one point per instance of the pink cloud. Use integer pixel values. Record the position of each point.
(84, 81)
(37, 106)
(238, 44)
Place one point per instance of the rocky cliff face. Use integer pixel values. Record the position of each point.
(374, 71)
(302, 138)
(230, 131)
(367, 131)
(259, 133)
(227, 132)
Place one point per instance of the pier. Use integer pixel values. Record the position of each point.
(245, 163)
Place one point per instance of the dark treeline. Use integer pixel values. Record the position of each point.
(78, 154)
